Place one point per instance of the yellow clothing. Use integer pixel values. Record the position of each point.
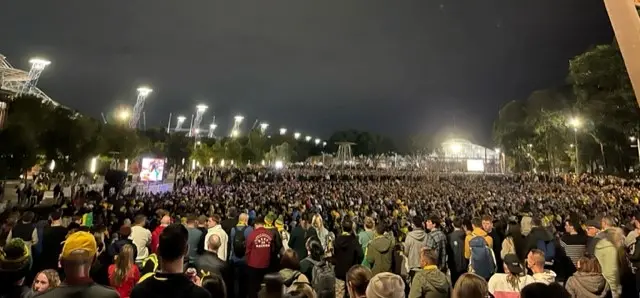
(475, 233)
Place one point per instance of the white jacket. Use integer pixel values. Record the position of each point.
(224, 240)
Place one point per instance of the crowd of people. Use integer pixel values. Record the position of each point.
(332, 233)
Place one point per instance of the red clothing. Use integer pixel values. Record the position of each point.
(259, 248)
(128, 283)
(155, 238)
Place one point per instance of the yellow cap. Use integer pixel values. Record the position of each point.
(79, 241)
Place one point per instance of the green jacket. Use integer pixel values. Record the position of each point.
(380, 254)
(430, 283)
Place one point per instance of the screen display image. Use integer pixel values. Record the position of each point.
(152, 170)
(475, 165)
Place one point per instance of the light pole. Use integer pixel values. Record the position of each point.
(575, 124)
(637, 141)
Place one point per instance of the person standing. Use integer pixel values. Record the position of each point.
(487, 226)
(209, 263)
(52, 238)
(437, 241)
(415, 242)
(258, 255)
(300, 235)
(347, 251)
(216, 229)
(429, 282)
(239, 235)
(194, 238)
(141, 237)
(155, 236)
(380, 251)
(25, 230)
(457, 263)
(170, 280)
(78, 254)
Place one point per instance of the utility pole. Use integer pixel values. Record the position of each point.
(625, 21)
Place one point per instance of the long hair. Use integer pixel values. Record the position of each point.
(519, 242)
(470, 285)
(52, 277)
(316, 252)
(123, 263)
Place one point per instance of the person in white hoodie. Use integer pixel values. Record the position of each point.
(535, 262)
(413, 244)
(512, 281)
(216, 229)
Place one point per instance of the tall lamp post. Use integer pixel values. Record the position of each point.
(576, 123)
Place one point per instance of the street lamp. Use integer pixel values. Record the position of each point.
(283, 131)
(317, 141)
(263, 127)
(576, 123)
(124, 115)
(296, 135)
(307, 138)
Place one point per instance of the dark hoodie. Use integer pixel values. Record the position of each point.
(380, 254)
(430, 283)
(347, 252)
(537, 234)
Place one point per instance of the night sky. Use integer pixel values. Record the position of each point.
(393, 67)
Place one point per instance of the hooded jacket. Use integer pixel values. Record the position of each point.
(587, 285)
(347, 252)
(538, 234)
(430, 283)
(380, 254)
(546, 277)
(416, 240)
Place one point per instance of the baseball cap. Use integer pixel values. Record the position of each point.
(593, 223)
(79, 241)
(513, 263)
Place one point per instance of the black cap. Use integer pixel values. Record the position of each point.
(593, 223)
(513, 263)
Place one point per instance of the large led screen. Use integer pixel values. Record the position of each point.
(475, 165)
(152, 170)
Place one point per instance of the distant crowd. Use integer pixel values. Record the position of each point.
(332, 233)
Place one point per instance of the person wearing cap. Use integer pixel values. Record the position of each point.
(15, 264)
(512, 281)
(429, 282)
(170, 280)
(78, 254)
(385, 285)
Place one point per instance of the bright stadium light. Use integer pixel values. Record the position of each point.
(455, 148)
(94, 164)
(181, 119)
(575, 122)
(278, 164)
(235, 133)
(307, 138)
(144, 91)
(212, 126)
(124, 114)
(296, 135)
(317, 141)
(39, 63)
(238, 118)
(263, 127)
(283, 131)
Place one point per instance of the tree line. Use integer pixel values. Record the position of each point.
(590, 124)
(35, 133)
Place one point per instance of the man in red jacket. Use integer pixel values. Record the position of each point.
(258, 255)
(155, 236)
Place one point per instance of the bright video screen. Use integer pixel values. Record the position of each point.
(152, 170)
(475, 165)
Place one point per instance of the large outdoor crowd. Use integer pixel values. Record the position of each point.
(332, 233)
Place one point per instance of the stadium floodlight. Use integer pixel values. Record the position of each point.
(263, 127)
(238, 118)
(278, 164)
(143, 93)
(296, 135)
(456, 148)
(317, 141)
(37, 66)
(307, 138)
(200, 109)
(283, 131)
(235, 130)
(124, 114)
(181, 120)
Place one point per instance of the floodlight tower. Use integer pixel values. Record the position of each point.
(263, 127)
(200, 109)
(37, 66)
(143, 92)
(235, 131)
(181, 120)
(212, 127)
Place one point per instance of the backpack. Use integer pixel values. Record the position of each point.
(549, 249)
(239, 242)
(482, 261)
(323, 278)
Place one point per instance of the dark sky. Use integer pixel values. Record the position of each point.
(394, 67)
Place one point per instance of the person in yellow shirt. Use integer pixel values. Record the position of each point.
(476, 224)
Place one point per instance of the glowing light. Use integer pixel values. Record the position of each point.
(144, 91)
(283, 131)
(201, 108)
(183, 161)
(52, 165)
(497, 150)
(94, 164)
(39, 63)
(193, 164)
(632, 138)
(181, 119)
(235, 133)
(238, 118)
(126, 165)
(264, 126)
(317, 141)
(197, 130)
(455, 148)
(307, 138)
(324, 144)
(213, 126)
(124, 114)
(296, 135)
(222, 162)
(575, 122)
(279, 164)
(210, 161)
(263, 162)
